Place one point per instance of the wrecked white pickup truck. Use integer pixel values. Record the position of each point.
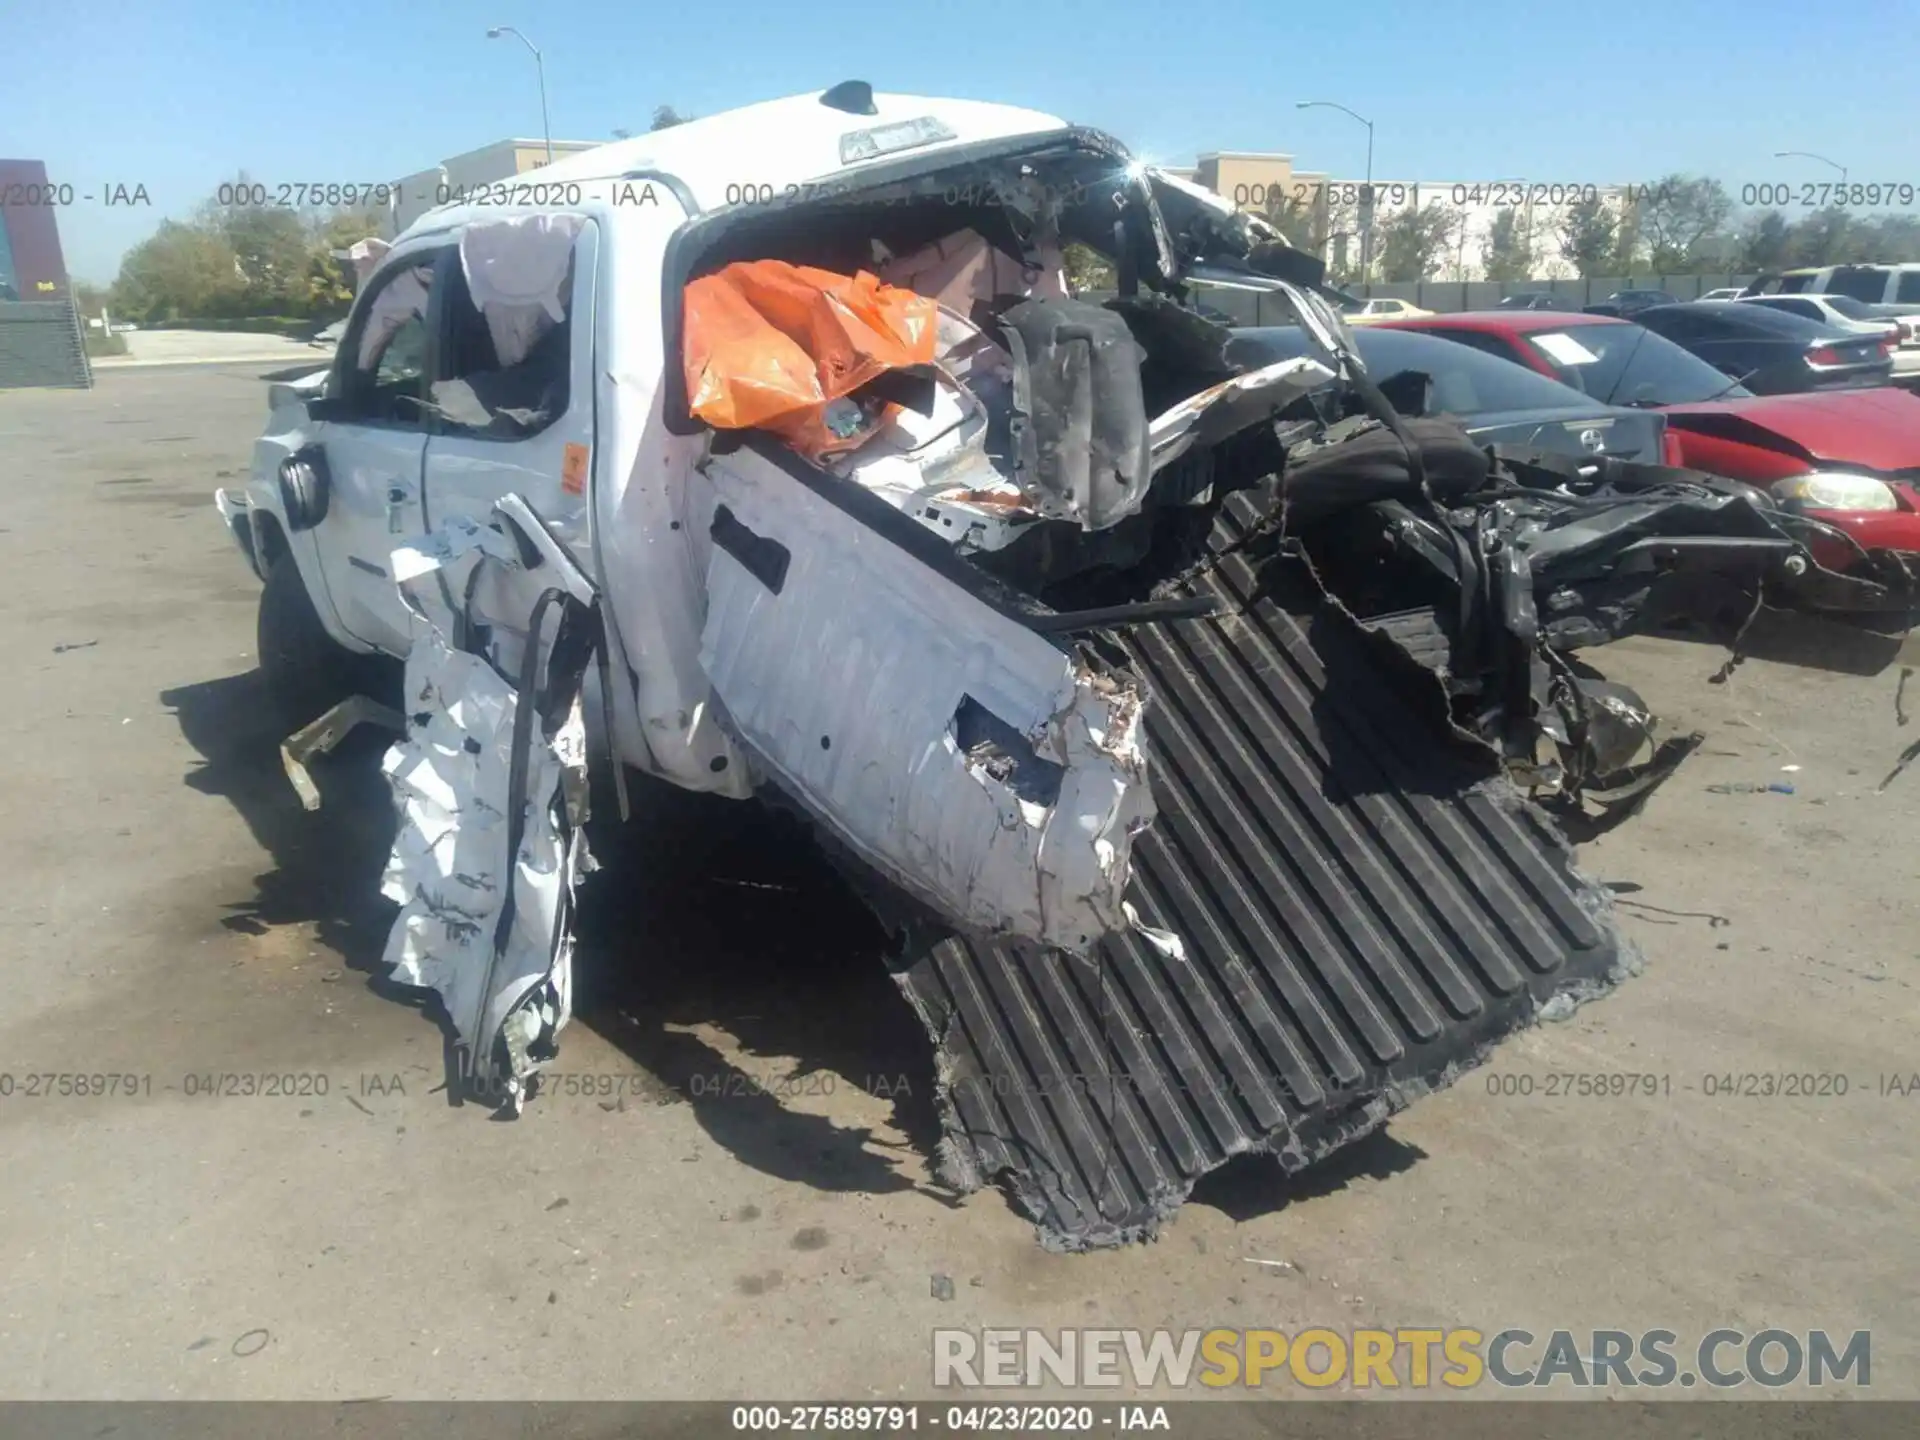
(783, 427)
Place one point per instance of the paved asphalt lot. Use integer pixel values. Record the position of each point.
(749, 1213)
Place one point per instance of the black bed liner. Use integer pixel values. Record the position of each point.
(1364, 907)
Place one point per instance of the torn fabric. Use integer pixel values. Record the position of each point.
(516, 272)
(401, 299)
(365, 257)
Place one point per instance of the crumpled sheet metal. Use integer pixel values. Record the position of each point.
(855, 685)
(1231, 406)
(1365, 910)
(454, 863)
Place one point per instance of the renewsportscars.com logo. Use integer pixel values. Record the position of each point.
(1457, 1359)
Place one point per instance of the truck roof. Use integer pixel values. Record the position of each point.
(777, 144)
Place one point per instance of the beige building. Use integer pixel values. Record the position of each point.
(1258, 181)
(502, 160)
(1323, 213)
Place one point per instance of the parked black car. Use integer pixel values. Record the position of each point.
(1628, 303)
(1770, 351)
(1535, 300)
(1494, 400)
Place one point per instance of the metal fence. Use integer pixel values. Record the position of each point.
(42, 344)
(1245, 307)
(1452, 295)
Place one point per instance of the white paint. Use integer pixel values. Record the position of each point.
(1232, 405)
(450, 870)
(869, 650)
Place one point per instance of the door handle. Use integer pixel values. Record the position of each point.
(396, 501)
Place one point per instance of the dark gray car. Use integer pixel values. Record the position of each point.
(1494, 400)
(1770, 351)
(1535, 300)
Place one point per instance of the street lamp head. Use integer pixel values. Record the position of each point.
(493, 32)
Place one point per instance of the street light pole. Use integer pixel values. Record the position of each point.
(1809, 155)
(1366, 193)
(539, 69)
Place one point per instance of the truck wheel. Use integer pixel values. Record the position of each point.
(306, 671)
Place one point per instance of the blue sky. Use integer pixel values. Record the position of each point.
(182, 95)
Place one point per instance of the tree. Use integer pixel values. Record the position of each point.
(1340, 241)
(1408, 245)
(90, 298)
(1683, 218)
(180, 271)
(329, 281)
(236, 260)
(1087, 269)
(1888, 239)
(271, 249)
(1507, 252)
(1589, 235)
(1302, 221)
(665, 117)
(1627, 234)
(1766, 241)
(1823, 238)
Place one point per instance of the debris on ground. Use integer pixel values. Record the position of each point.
(1907, 757)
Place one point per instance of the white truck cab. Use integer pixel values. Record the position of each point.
(421, 421)
(874, 629)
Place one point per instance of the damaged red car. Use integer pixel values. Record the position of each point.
(1849, 459)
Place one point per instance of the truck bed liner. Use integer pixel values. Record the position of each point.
(1364, 909)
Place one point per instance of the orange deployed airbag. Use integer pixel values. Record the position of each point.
(771, 345)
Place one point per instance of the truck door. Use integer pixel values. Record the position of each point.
(374, 432)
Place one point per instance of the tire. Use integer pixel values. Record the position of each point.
(307, 673)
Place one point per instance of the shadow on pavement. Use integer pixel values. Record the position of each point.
(708, 919)
(326, 863)
(1249, 1186)
(1814, 642)
(711, 915)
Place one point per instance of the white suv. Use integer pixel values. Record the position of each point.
(1896, 286)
